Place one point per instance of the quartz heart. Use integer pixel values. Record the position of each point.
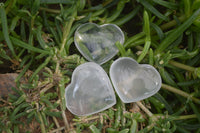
(90, 90)
(132, 81)
(97, 43)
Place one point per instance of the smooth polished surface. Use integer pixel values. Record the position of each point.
(132, 81)
(90, 90)
(97, 43)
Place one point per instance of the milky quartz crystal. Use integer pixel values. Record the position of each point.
(97, 43)
(90, 90)
(132, 81)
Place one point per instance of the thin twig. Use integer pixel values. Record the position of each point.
(87, 119)
(65, 120)
(57, 67)
(56, 122)
(43, 130)
(57, 130)
(144, 109)
(46, 88)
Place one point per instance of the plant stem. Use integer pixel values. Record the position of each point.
(65, 120)
(46, 88)
(180, 92)
(144, 108)
(56, 122)
(57, 68)
(61, 101)
(50, 10)
(183, 117)
(172, 23)
(57, 130)
(42, 123)
(61, 85)
(182, 66)
(66, 30)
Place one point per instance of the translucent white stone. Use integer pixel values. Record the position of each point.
(132, 81)
(97, 43)
(90, 90)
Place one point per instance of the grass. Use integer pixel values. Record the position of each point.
(36, 36)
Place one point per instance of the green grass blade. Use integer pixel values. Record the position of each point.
(55, 35)
(14, 23)
(5, 30)
(27, 46)
(196, 4)
(187, 7)
(166, 77)
(158, 30)
(147, 39)
(22, 31)
(176, 33)
(35, 7)
(23, 71)
(134, 38)
(94, 129)
(56, 1)
(127, 17)
(162, 100)
(117, 12)
(39, 68)
(40, 39)
(167, 4)
(195, 109)
(148, 6)
(151, 60)
(58, 27)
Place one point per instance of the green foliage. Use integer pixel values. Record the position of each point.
(37, 37)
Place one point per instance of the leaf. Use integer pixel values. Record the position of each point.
(127, 17)
(40, 39)
(27, 46)
(196, 4)
(187, 7)
(167, 4)
(5, 30)
(177, 32)
(197, 72)
(158, 30)
(184, 54)
(57, 1)
(147, 39)
(53, 114)
(149, 7)
(35, 7)
(93, 129)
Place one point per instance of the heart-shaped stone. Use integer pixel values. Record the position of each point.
(90, 90)
(97, 43)
(132, 81)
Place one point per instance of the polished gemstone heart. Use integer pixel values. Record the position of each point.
(97, 43)
(132, 81)
(90, 90)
